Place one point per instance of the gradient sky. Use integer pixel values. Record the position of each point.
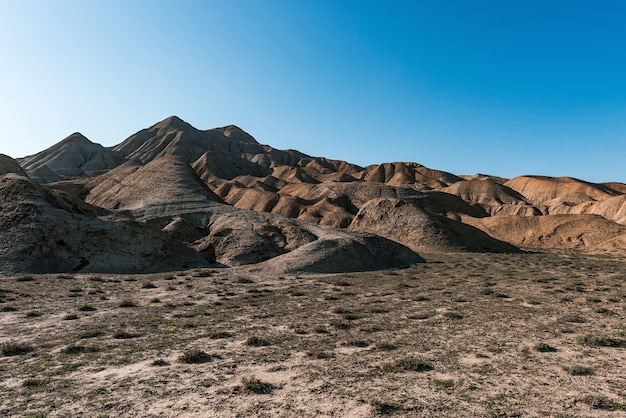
(499, 87)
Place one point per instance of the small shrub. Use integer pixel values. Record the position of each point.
(34, 383)
(384, 408)
(297, 293)
(86, 308)
(321, 330)
(9, 309)
(601, 341)
(12, 348)
(444, 383)
(342, 311)
(604, 403)
(604, 311)
(92, 333)
(148, 285)
(351, 317)
(254, 385)
(221, 335)
(70, 317)
(25, 279)
(423, 315)
(258, 342)
(386, 346)
(33, 314)
(160, 363)
(579, 371)
(453, 315)
(409, 364)
(124, 335)
(320, 355)
(574, 319)
(194, 356)
(340, 324)
(544, 348)
(127, 303)
(356, 343)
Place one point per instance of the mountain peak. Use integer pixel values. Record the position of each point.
(236, 133)
(76, 138)
(172, 123)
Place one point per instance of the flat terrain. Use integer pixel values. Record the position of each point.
(480, 335)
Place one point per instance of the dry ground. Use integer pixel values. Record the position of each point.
(484, 335)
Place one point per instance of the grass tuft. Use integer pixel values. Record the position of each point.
(194, 356)
(13, 348)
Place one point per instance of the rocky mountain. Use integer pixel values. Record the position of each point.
(191, 198)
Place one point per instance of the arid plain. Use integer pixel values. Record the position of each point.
(200, 273)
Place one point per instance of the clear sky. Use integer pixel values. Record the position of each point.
(497, 87)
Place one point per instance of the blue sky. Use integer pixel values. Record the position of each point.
(504, 88)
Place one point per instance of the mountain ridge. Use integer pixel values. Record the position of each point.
(182, 180)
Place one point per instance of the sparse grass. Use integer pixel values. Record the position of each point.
(408, 364)
(573, 318)
(601, 341)
(251, 384)
(384, 407)
(421, 359)
(73, 349)
(92, 333)
(579, 370)
(128, 303)
(604, 403)
(444, 383)
(124, 335)
(343, 325)
(86, 308)
(14, 348)
(320, 355)
(256, 341)
(194, 356)
(387, 346)
(356, 343)
(544, 348)
(34, 383)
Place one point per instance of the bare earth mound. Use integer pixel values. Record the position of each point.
(406, 221)
(41, 231)
(589, 233)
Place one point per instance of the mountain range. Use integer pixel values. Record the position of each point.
(173, 197)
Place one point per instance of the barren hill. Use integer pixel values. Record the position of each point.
(231, 200)
(73, 156)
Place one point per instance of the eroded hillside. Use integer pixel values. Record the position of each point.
(221, 197)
